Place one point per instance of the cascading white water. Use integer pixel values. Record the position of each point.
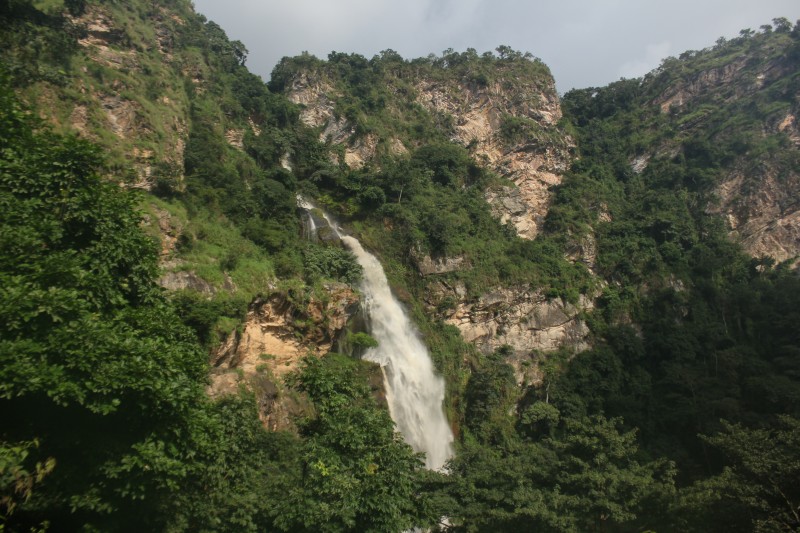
(311, 228)
(311, 225)
(413, 390)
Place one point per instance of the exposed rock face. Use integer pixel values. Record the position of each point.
(336, 131)
(638, 164)
(509, 207)
(681, 94)
(733, 80)
(275, 337)
(584, 249)
(149, 136)
(439, 265)
(791, 128)
(189, 280)
(103, 40)
(315, 95)
(235, 138)
(362, 150)
(169, 230)
(121, 115)
(277, 330)
(276, 409)
(756, 197)
(519, 317)
(764, 218)
(533, 164)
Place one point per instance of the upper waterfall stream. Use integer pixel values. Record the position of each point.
(413, 390)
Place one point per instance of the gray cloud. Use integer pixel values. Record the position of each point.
(585, 42)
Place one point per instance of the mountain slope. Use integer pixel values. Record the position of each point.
(573, 277)
(732, 109)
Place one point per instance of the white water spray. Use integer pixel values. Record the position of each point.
(311, 224)
(413, 390)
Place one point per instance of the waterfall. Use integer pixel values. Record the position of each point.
(310, 225)
(413, 390)
(311, 228)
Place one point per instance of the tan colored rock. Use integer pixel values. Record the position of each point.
(683, 92)
(439, 265)
(357, 150)
(315, 96)
(254, 127)
(790, 127)
(756, 198)
(520, 317)
(169, 230)
(79, 119)
(583, 249)
(274, 339)
(361, 151)
(235, 138)
(638, 164)
(762, 212)
(186, 280)
(396, 147)
(120, 114)
(106, 43)
(143, 164)
(286, 162)
(336, 131)
(534, 165)
(272, 334)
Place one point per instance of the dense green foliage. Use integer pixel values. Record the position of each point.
(713, 339)
(358, 474)
(92, 353)
(90, 349)
(584, 476)
(36, 45)
(713, 320)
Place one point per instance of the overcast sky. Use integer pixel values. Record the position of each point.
(584, 42)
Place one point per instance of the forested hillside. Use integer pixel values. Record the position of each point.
(606, 281)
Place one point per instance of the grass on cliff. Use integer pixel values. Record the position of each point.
(213, 247)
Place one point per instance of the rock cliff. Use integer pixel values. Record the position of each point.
(116, 92)
(519, 317)
(534, 163)
(509, 121)
(480, 116)
(274, 338)
(755, 193)
(760, 205)
(316, 96)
